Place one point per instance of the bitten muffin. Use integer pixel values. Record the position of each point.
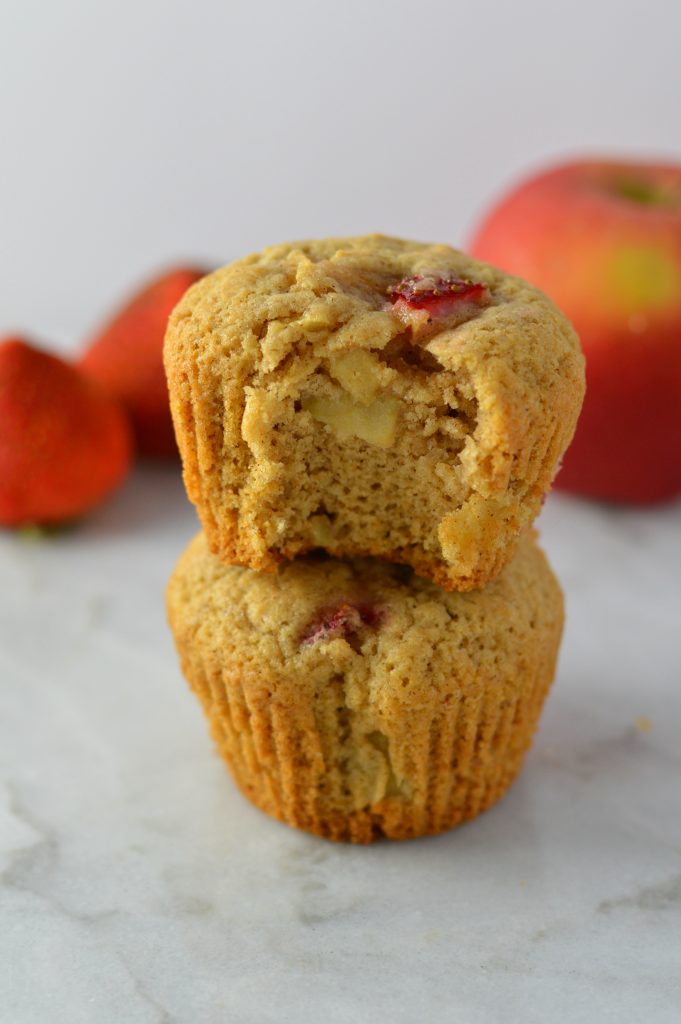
(370, 396)
(356, 700)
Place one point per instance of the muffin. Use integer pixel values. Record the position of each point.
(356, 700)
(370, 397)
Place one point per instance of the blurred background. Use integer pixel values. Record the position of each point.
(137, 134)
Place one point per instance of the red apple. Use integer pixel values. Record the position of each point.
(603, 239)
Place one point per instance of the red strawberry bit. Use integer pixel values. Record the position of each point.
(423, 298)
(341, 621)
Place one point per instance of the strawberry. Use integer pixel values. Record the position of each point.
(126, 356)
(341, 621)
(424, 299)
(64, 442)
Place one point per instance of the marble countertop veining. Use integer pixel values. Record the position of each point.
(137, 886)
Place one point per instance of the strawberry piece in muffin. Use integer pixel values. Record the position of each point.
(427, 301)
(342, 620)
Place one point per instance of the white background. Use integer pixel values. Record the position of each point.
(138, 133)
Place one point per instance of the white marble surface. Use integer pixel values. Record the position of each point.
(139, 888)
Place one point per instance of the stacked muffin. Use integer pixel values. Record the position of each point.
(368, 427)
